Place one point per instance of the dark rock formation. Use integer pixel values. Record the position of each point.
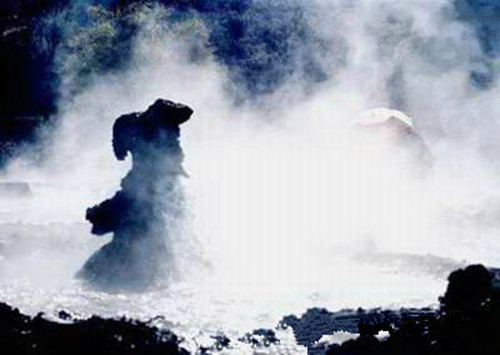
(150, 197)
(316, 322)
(468, 322)
(260, 338)
(396, 133)
(220, 342)
(23, 335)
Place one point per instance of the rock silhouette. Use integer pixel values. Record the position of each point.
(465, 323)
(149, 199)
(24, 335)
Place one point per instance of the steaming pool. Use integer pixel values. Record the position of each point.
(41, 252)
(285, 209)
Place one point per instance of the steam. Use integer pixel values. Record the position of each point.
(285, 199)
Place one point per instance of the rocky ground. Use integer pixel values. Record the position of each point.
(21, 334)
(465, 323)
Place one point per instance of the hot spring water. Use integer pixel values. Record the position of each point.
(286, 207)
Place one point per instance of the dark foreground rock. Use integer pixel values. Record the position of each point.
(23, 335)
(467, 322)
(316, 322)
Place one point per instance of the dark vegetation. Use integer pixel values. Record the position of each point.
(261, 43)
(27, 78)
(483, 17)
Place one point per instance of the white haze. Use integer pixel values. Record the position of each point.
(288, 206)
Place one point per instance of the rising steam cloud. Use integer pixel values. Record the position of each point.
(284, 196)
